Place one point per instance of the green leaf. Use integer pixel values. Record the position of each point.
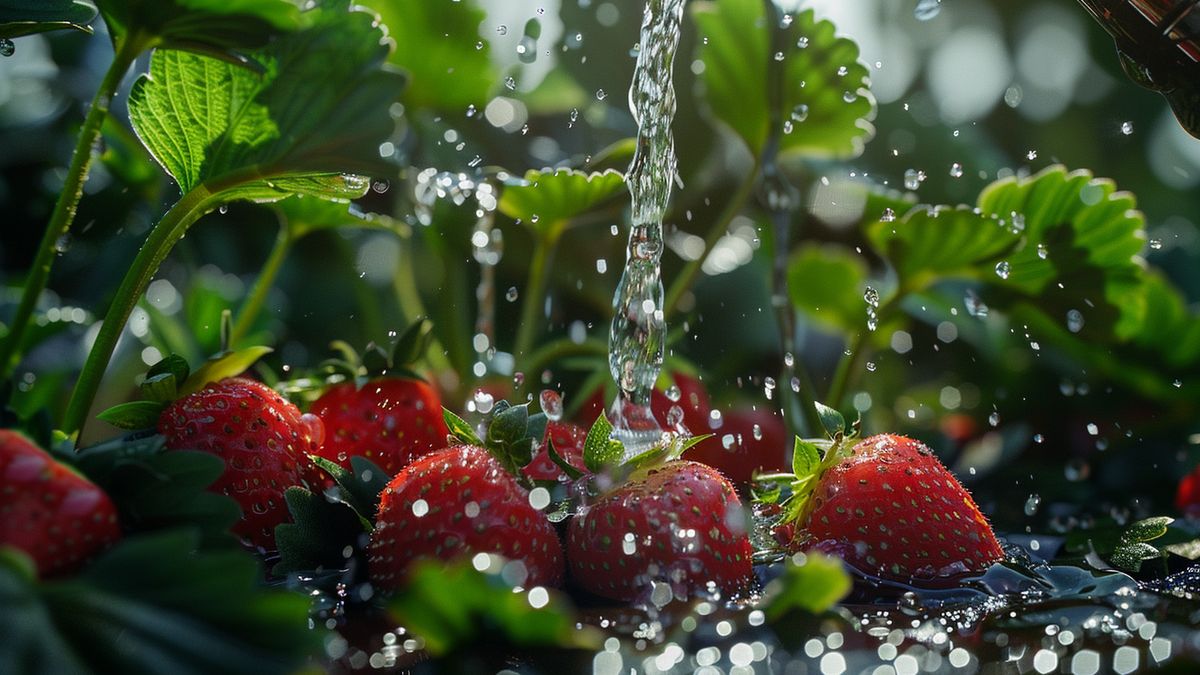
(455, 608)
(242, 135)
(222, 28)
(1148, 529)
(25, 17)
(831, 419)
(1129, 556)
(229, 365)
(164, 378)
(438, 45)
(134, 415)
(546, 199)
(413, 343)
(805, 458)
(825, 106)
(929, 244)
(320, 534)
(812, 582)
(302, 215)
(826, 282)
(359, 487)
(600, 449)
(154, 604)
(1174, 334)
(563, 465)
(460, 429)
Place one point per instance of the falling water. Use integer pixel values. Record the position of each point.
(635, 342)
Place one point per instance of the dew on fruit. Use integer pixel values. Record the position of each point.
(7, 48)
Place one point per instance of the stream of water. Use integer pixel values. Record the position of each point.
(638, 333)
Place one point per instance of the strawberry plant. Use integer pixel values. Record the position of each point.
(961, 228)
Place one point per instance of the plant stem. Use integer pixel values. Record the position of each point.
(847, 368)
(535, 291)
(687, 276)
(404, 286)
(68, 200)
(262, 286)
(162, 239)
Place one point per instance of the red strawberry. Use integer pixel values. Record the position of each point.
(262, 437)
(1187, 496)
(680, 522)
(457, 502)
(390, 421)
(568, 443)
(748, 440)
(48, 511)
(890, 509)
(693, 404)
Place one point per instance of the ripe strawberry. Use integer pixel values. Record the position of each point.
(1187, 496)
(681, 522)
(389, 420)
(568, 443)
(748, 440)
(890, 509)
(262, 437)
(48, 511)
(456, 502)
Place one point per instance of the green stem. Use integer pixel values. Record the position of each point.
(848, 368)
(535, 292)
(163, 237)
(262, 286)
(687, 276)
(68, 201)
(404, 285)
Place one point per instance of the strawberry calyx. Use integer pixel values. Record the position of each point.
(172, 378)
(511, 436)
(811, 458)
(603, 456)
(376, 361)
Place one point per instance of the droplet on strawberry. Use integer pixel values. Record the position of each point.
(459, 502)
(390, 421)
(55, 515)
(262, 439)
(890, 509)
(681, 523)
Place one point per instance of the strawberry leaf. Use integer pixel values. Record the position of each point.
(545, 200)
(460, 429)
(806, 459)
(359, 488)
(811, 582)
(221, 28)
(236, 134)
(600, 449)
(826, 282)
(413, 343)
(562, 464)
(1129, 556)
(825, 106)
(508, 436)
(229, 365)
(164, 378)
(134, 415)
(26, 17)
(1148, 529)
(321, 534)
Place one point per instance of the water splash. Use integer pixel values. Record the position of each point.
(638, 332)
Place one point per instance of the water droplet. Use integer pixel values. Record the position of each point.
(1077, 469)
(994, 419)
(1074, 320)
(512, 294)
(502, 29)
(778, 56)
(956, 170)
(223, 209)
(1042, 251)
(871, 296)
(1032, 504)
(1038, 438)
(420, 508)
(479, 45)
(1127, 128)
(483, 401)
(913, 179)
(757, 432)
(888, 215)
(574, 116)
(551, 404)
(673, 393)
(849, 96)
(510, 83)
(674, 417)
(1003, 269)
(927, 9)
(870, 366)
(1177, 384)
(1031, 155)
(842, 71)
(910, 604)
(63, 243)
(601, 95)
(1156, 244)
(7, 48)
(800, 113)
(527, 50)
(802, 43)
(380, 186)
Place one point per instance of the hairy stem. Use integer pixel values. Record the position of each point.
(162, 239)
(262, 286)
(68, 201)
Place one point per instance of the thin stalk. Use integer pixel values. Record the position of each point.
(408, 300)
(535, 292)
(162, 239)
(687, 276)
(262, 286)
(68, 200)
(848, 368)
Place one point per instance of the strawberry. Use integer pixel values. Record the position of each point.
(50, 512)
(456, 502)
(568, 442)
(890, 509)
(262, 437)
(384, 411)
(749, 440)
(1187, 495)
(680, 521)
(390, 421)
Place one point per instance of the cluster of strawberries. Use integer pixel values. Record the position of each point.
(884, 504)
